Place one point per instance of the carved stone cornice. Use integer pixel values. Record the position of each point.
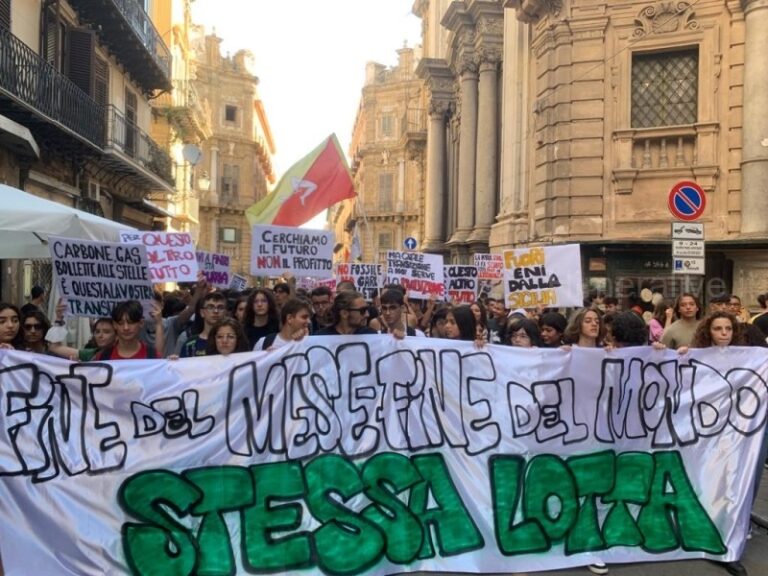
(748, 5)
(665, 18)
(438, 77)
(466, 64)
(489, 57)
(534, 10)
(488, 17)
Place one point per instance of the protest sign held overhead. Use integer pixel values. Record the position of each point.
(238, 283)
(171, 254)
(309, 284)
(444, 458)
(548, 276)
(215, 268)
(365, 277)
(461, 283)
(490, 272)
(279, 249)
(419, 273)
(317, 181)
(94, 276)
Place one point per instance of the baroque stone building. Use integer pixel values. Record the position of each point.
(237, 157)
(596, 109)
(76, 80)
(388, 154)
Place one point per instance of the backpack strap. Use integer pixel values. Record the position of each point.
(269, 339)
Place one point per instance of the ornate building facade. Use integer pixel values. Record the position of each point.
(595, 109)
(388, 155)
(237, 157)
(76, 80)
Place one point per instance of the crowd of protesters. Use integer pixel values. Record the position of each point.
(199, 321)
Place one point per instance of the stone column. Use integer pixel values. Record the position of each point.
(467, 150)
(487, 150)
(435, 207)
(754, 153)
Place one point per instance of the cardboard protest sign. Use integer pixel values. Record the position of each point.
(421, 274)
(490, 272)
(310, 284)
(215, 268)
(94, 276)
(171, 254)
(444, 458)
(238, 283)
(461, 283)
(548, 276)
(365, 276)
(279, 249)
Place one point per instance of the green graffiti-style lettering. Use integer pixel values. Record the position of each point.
(225, 489)
(594, 474)
(346, 543)
(262, 551)
(673, 509)
(162, 547)
(634, 471)
(456, 531)
(385, 476)
(506, 485)
(548, 477)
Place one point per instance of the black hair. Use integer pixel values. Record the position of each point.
(465, 320)
(320, 291)
(282, 287)
(628, 329)
(553, 320)
(531, 329)
(130, 308)
(390, 296)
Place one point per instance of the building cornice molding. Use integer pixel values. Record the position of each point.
(534, 10)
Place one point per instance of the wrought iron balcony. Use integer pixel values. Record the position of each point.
(36, 88)
(127, 30)
(135, 154)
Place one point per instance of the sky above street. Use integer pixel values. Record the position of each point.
(310, 58)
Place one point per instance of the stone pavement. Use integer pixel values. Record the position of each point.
(755, 557)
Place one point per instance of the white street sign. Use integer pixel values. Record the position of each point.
(687, 249)
(688, 266)
(687, 231)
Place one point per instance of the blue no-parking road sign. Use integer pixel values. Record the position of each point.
(687, 201)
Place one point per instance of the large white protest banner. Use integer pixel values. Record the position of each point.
(461, 283)
(421, 274)
(372, 455)
(94, 276)
(215, 268)
(365, 276)
(171, 254)
(548, 276)
(303, 252)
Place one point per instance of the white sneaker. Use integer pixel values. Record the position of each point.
(598, 567)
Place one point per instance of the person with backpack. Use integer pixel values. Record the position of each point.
(392, 305)
(295, 319)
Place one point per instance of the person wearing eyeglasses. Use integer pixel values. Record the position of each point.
(350, 315)
(34, 327)
(212, 309)
(392, 306)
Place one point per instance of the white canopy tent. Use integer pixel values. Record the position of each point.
(26, 221)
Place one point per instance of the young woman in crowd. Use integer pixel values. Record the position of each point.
(585, 329)
(523, 333)
(663, 316)
(551, 327)
(460, 324)
(241, 305)
(261, 316)
(437, 323)
(225, 337)
(481, 318)
(34, 327)
(719, 329)
(10, 334)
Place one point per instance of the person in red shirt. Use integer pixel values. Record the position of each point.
(128, 319)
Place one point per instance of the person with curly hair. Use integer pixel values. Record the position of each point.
(718, 329)
(585, 329)
(225, 337)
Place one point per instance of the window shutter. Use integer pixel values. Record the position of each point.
(5, 14)
(82, 44)
(101, 88)
(51, 38)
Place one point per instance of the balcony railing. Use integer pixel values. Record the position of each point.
(132, 141)
(31, 80)
(130, 12)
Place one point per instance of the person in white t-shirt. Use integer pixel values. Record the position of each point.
(295, 319)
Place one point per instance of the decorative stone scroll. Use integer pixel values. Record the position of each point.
(665, 18)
